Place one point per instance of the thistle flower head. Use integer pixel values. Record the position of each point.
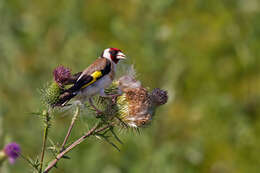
(12, 151)
(61, 75)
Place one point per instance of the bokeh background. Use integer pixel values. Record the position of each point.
(204, 52)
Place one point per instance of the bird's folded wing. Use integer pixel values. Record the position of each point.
(72, 79)
(89, 78)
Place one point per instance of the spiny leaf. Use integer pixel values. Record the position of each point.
(115, 136)
(109, 142)
(65, 157)
(54, 148)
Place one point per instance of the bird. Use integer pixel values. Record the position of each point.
(94, 79)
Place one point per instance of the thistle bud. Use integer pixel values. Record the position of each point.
(50, 94)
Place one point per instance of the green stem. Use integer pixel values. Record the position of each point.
(45, 135)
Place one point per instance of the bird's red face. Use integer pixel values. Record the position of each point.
(113, 54)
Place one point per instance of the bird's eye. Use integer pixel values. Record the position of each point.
(113, 52)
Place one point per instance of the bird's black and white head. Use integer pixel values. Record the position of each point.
(113, 54)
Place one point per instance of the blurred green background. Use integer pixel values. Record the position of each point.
(205, 53)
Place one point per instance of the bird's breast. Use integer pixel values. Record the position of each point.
(112, 72)
(96, 87)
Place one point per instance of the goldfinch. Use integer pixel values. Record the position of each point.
(94, 79)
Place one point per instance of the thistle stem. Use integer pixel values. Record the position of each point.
(92, 131)
(45, 135)
(70, 128)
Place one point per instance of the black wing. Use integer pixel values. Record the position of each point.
(87, 79)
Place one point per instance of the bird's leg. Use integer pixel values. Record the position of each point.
(99, 112)
(114, 97)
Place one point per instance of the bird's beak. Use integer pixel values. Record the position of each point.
(120, 55)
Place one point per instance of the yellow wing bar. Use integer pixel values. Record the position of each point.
(95, 76)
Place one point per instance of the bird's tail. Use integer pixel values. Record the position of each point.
(65, 97)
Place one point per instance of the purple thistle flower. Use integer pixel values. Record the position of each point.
(12, 150)
(61, 75)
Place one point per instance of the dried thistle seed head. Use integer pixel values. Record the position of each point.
(50, 94)
(133, 107)
(61, 75)
(159, 97)
(128, 81)
(136, 107)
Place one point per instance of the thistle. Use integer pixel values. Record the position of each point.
(136, 106)
(11, 152)
(61, 77)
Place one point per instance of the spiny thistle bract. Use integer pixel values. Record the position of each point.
(50, 93)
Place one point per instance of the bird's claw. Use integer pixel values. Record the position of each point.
(99, 114)
(114, 98)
